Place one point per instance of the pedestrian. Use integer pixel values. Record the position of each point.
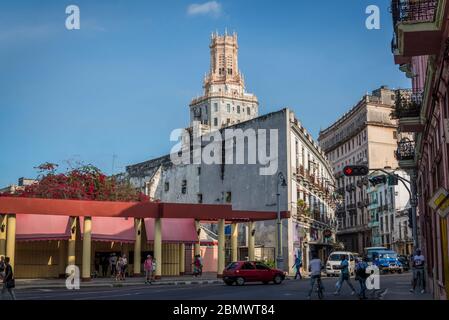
(344, 276)
(200, 265)
(297, 266)
(153, 273)
(113, 264)
(315, 267)
(197, 266)
(119, 269)
(104, 265)
(361, 275)
(2, 266)
(148, 267)
(125, 266)
(8, 280)
(418, 262)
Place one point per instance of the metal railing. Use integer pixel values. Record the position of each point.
(408, 104)
(413, 10)
(405, 150)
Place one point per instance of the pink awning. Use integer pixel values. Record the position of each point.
(173, 230)
(32, 227)
(111, 229)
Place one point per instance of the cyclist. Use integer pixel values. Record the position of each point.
(315, 267)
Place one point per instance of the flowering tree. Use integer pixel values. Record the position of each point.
(85, 182)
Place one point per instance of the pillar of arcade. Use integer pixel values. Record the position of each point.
(234, 241)
(182, 259)
(11, 238)
(197, 247)
(251, 236)
(87, 249)
(221, 248)
(137, 246)
(158, 246)
(72, 242)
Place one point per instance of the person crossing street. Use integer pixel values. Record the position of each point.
(344, 276)
(315, 267)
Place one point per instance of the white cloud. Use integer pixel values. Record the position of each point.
(212, 8)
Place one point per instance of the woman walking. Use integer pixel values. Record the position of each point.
(8, 280)
(148, 267)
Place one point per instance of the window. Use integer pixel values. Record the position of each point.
(261, 266)
(215, 122)
(166, 186)
(228, 121)
(238, 109)
(228, 108)
(216, 107)
(184, 187)
(395, 135)
(199, 170)
(248, 266)
(248, 111)
(200, 198)
(228, 197)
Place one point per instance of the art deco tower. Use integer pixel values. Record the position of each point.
(224, 101)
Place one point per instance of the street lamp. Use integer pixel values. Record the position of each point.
(280, 256)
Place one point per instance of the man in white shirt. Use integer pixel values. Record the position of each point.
(418, 262)
(315, 267)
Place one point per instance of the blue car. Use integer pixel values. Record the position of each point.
(387, 261)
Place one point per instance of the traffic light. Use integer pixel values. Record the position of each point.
(377, 180)
(353, 171)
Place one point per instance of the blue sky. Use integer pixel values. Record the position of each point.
(123, 82)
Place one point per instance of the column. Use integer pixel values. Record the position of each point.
(182, 259)
(11, 238)
(251, 234)
(3, 234)
(221, 248)
(62, 258)
(87, 248)
(158, 247)
(234, 241)
(72, 242)
(197, 248)
(137, 246)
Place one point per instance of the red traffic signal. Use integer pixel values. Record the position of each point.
(352, 171)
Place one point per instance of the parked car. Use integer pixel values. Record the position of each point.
(404, 260)
(240, 272)
(387, 261)
(335, 259)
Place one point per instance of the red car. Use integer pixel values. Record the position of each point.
(251, 271)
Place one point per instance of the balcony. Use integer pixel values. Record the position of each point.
(405, 154)
(417, 25)
(407, 110)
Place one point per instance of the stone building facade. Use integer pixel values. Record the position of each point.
(308, 193)
(364, 135)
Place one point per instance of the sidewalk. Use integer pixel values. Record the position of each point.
(206, 278)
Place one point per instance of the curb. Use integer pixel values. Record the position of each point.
(118, 285)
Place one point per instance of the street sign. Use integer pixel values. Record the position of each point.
(353, 171)
(440, 202)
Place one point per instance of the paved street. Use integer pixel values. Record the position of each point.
(398, 289)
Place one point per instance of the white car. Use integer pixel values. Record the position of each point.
(334, 261)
